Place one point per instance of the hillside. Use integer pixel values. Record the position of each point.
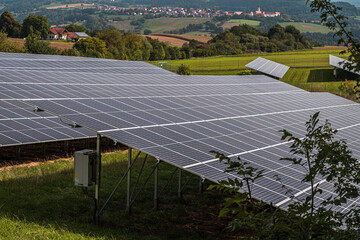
(296, 8)
(178, 40)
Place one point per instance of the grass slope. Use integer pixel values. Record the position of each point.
(231, 64)
(42, 202)
(307, 27)
(160, 25)
(252, 23)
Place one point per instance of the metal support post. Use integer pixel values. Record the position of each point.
(128, 189)
(66, 147)
(43, 151)
(201, 184)
(180, 185)
(17, 153)
(98, 175)
(87, 143)
(156, 174)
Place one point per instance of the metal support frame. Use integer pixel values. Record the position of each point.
(201, 184)
(66, 147)
(97, 182)
(180, 185)
(118, 184)
(128, 189)
(17, 153)
(43, 150)
(156, 197)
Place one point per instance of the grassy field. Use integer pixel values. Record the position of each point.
(160, 25)
(75, 5)
(41, 202)
(59, 44)
(307, 27)
(231, 64)
(252, 23)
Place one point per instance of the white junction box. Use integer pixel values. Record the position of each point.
(85, 168)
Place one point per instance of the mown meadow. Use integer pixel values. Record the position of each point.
(41, 202)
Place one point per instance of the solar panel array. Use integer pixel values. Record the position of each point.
(181, 118)
(339, 63)
(24, 76)
(268, 67)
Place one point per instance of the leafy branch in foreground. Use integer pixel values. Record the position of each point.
(335, 21)
(324, 210)
(247, 212)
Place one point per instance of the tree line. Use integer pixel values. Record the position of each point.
(114, 44)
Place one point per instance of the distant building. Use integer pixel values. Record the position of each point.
(57, 34)
(62, 34)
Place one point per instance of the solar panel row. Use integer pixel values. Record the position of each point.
(268, 67)
(22, 77)
(181, 118)
(339, 63)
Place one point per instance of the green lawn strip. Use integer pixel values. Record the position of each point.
(159, 25)
(43, 202)
(244, 21)
(300, 59)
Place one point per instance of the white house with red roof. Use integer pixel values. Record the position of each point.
(62, 34)
(57, 34)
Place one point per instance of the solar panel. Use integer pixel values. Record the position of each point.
(268, 67)
(339, 63)
(242, 127)
(181, 118)
(25, 75)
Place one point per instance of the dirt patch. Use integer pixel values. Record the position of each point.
(178, 40)
(71, 6)
(230, 25)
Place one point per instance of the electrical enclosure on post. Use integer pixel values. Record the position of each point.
(85, 168)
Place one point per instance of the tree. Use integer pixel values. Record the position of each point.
(183, 70)
(330, 14)
(7, 46)
(34, 44)
(147, 31)
(9, 25)
(91, 47)
(322, 156)
(75, 28)
(36, 24)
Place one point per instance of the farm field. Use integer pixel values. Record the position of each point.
(61, 45)
(307, 27)
(41, 202)
(244, 21)
(74, 5)
(231, 64)
(178, 40)
(159, 25)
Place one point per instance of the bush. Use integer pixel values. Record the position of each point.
(183, 70)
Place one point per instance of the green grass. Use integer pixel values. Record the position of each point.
(231, 64)
(42, 203)
(160, 25)
(244, 21)
(307, 27)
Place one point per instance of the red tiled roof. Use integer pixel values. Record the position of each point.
(71, 35)
(57, 30)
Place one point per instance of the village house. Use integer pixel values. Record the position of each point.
(62, 34)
